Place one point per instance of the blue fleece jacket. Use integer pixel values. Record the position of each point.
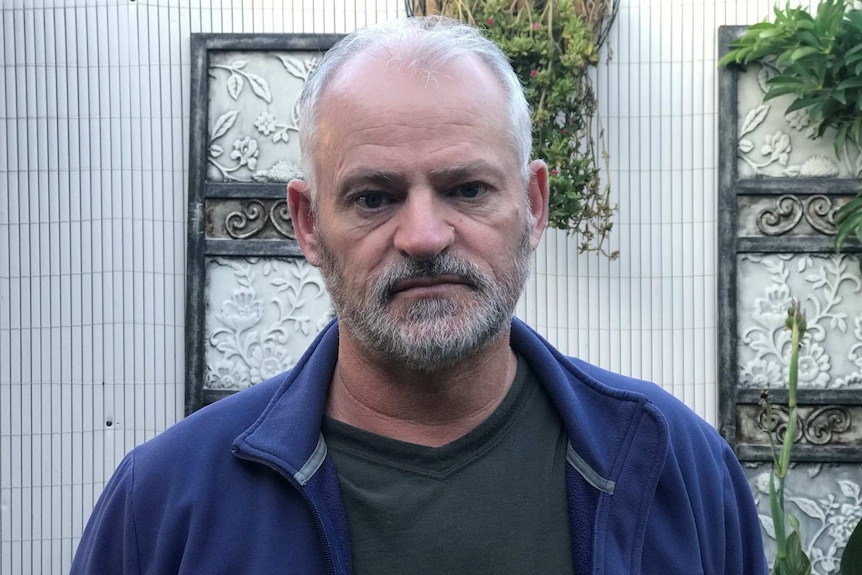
(245, 485)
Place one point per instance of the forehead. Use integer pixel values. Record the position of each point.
(397, 81)
(388, 108)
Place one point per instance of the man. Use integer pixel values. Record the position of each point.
(427, 431)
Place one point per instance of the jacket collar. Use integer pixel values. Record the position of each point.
(287, 434)
(591, 409)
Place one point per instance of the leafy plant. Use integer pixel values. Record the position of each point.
(552, 45)
(848, 220)
(819, 61)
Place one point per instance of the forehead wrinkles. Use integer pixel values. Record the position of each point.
(415, 152)
(438, 130)
(357, 115)
(385, 101)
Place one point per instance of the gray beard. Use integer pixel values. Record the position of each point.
(432, 333)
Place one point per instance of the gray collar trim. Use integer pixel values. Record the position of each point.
(313, 464)
(588, 473)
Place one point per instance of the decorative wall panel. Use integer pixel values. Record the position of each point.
(253, 303)
(830, 289)
(778, 194)
(827, 500)
(776, 234)
(770, 142)
(253, 117)
(261, 314)
(787, 215)
(246, 219)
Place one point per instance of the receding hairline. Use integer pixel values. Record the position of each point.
(425, 44)
(409, 54)
(353, 68)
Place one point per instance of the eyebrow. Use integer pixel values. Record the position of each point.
(372, 177)
(467, 171)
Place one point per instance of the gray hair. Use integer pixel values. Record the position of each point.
(431, 42)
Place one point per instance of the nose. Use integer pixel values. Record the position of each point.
(423, 231)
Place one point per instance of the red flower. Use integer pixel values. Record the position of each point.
(490, 21)
(554, 172)
(535, 26)
(533, 73)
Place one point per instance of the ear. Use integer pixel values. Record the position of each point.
(302, 214)
(538, 192)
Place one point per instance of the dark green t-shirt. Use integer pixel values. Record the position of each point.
(493, 501)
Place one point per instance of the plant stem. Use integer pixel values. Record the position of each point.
(781, 461)
(790, 434)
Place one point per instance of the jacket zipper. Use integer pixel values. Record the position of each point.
(318, 522)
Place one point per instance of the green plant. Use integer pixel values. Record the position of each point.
(848, 220)
(552, 45)
(790, 559)
(819, 61)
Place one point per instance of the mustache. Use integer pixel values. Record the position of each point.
(440, 265)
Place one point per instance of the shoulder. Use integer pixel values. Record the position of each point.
(604, 402)
(687, 431)
(205, 434)
(702, 494)
(663, 457)
(671, 407)
(599, 403)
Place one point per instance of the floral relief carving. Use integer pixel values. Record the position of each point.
(262, 314)
(828, 287)
(773, 143)
(251, 136)
(827, 500)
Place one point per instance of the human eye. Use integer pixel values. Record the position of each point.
(470, 190)
(371, 200)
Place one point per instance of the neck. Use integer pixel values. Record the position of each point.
(425, 408)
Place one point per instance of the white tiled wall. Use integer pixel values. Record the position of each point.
(94, 116)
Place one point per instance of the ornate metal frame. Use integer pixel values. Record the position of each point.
(825, 414)
(251, 217)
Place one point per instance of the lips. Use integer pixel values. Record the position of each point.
(427, 282)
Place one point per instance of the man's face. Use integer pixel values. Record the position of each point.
(422, 223)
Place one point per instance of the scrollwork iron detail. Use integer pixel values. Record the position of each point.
(820, 214)
(778, 423)
(251, 218)
(817, 427)
(818, 211)
(823, 423)
(247, 222)
(779, 220)
(279, 215)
